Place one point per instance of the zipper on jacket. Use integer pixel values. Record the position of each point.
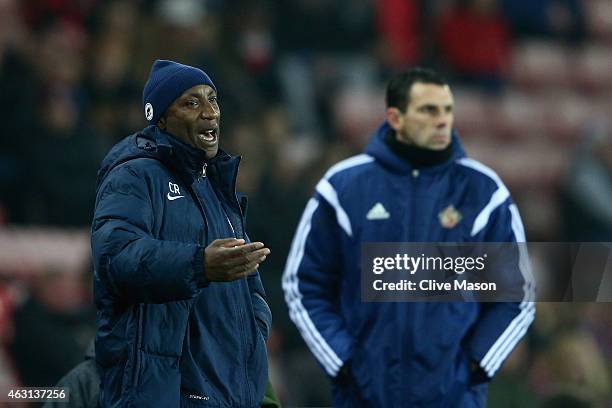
(242, 308)
(239, 208)
(138, 342)
(246, 354)
(226, 204)
(239, 305)
(202, 175)
(413, 189)
(229, 222)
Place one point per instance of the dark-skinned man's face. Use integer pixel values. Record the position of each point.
(194, 119)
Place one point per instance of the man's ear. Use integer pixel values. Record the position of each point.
(394, 118)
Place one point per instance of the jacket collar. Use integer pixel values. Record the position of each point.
(179, 155)
(380, 150)
(190, 161)
(183, 159)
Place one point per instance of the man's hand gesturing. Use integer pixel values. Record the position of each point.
(229, 259)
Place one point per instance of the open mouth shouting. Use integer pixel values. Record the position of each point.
(208, 136)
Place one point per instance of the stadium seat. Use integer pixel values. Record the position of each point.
(524, 165)
(599, 18)
(472, 111)
(520, 115)
(593, 67)
(539, 65)
(27, 252)
(357, 111)
(569, 113)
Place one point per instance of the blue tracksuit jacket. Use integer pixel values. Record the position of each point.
(402, 354)
(166, 336)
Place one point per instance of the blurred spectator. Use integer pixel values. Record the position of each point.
(83, 381)
(274, 175)
(584, 376)
(561, 20)
(254, 43)
(8, 377)
(50, 149)
(17, 99)
(52, 328)
(588, 190)
(568, 400)
(597, 320)
(65, 150)
(109, 84)
(332, 53)
(509, 390)
(331, 26)
(75, 12)
(185, 22)
(398, 25)
(247, 70)
(65, 164)
(474, 41)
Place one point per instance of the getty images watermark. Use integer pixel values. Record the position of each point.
(486, 272)
(411, 264)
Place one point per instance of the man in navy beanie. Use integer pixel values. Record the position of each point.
(182, 318)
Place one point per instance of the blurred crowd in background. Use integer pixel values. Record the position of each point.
(301, 86)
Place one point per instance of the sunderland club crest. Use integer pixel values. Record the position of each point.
(449, 217)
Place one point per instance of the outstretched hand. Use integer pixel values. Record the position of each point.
(229, 259)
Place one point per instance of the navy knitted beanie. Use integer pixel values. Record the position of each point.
(167, 81)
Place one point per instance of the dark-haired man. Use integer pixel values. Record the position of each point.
(413, 184)
(182, 319)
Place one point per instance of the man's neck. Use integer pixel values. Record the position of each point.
(418, 157)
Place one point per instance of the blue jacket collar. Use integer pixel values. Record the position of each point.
(378, 148)
(182, 156)
(190, 161)
(152, 142)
